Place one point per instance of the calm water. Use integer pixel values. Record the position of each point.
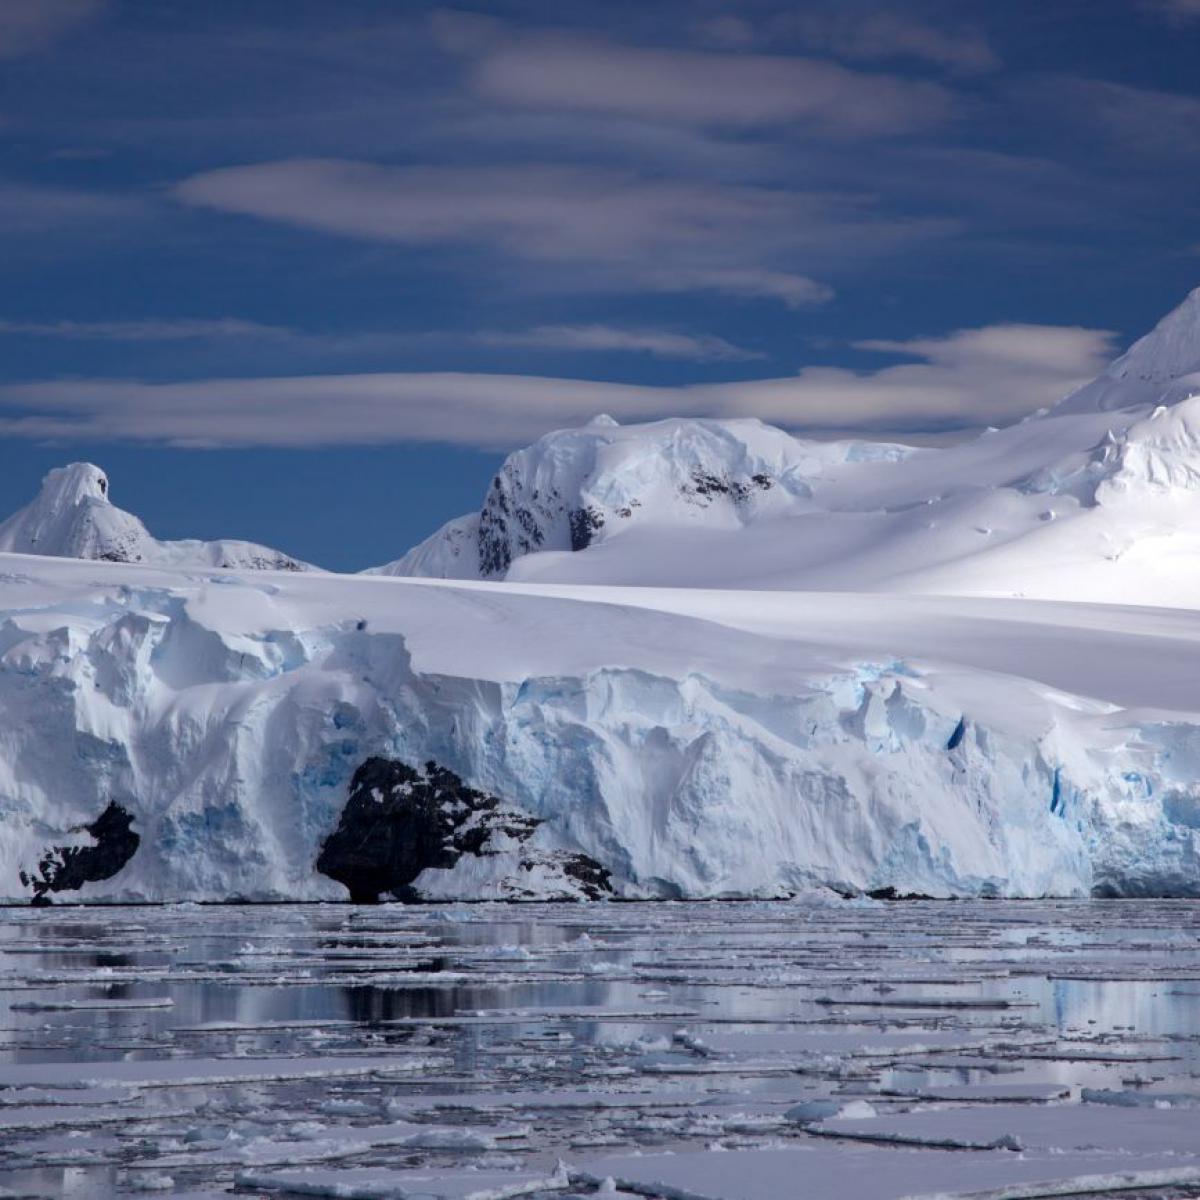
(338, 1038)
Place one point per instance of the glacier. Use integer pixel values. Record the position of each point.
(693, 744)
(682, 659)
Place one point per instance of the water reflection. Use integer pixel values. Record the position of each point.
(477, 999)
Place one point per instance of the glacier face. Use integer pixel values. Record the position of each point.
(691, 746)
(73, 517)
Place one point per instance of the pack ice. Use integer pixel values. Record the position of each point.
(689, 658)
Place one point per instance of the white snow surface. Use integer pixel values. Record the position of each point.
(776, 666)
(1096, 499)
(73, 517)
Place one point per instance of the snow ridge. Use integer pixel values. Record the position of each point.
(1162, 367)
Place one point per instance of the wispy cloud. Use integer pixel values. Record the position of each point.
(558, 71)
(147, 331)
(30, 26)
(589, 338)
(1177, 12)
(1145, 122)
(660, 343)
(967, 379)
(31, 209)
(796, 291)
(630, 230)
(886, 36)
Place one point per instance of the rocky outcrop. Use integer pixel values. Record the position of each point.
(68, 868)
(400, 822)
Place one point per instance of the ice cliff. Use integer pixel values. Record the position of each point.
(563, 744)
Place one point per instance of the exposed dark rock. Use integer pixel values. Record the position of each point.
(68, 868)
(509, 528)
(705, 487)
(595, 880)
(259, 562)
(398, 821)
(890, 893)
(584, 522)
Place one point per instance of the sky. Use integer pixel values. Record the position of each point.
(302, 272)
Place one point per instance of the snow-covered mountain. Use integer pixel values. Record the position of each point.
(583, 488)
(1096, 499)
(73, 517)
(869, 668)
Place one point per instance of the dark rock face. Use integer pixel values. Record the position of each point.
(260, 562)
(890, 893)
(585, 523)
(398, 821)
(705, 487)
(68, 868)
(514, 521)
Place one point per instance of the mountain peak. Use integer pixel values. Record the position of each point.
(1163, 367)
(575, 488)
(1170, 350)
(72, 516)
(74, 484)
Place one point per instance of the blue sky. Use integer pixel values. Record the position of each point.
(299, 271)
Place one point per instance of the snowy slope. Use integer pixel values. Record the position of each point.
(687, 743)
(1095, 500)
(73, 517)
(583, 488)
(844, 665)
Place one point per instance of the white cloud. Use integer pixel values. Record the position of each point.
(659, 342)
(27, 209)
(29, 26)
(796, 291)
(147, 331)
(629, 231)
(555, 71)
(1140, 121)
(884, 36)
(963, 380)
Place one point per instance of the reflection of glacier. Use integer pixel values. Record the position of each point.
(1153, 1007)
(755, 745)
